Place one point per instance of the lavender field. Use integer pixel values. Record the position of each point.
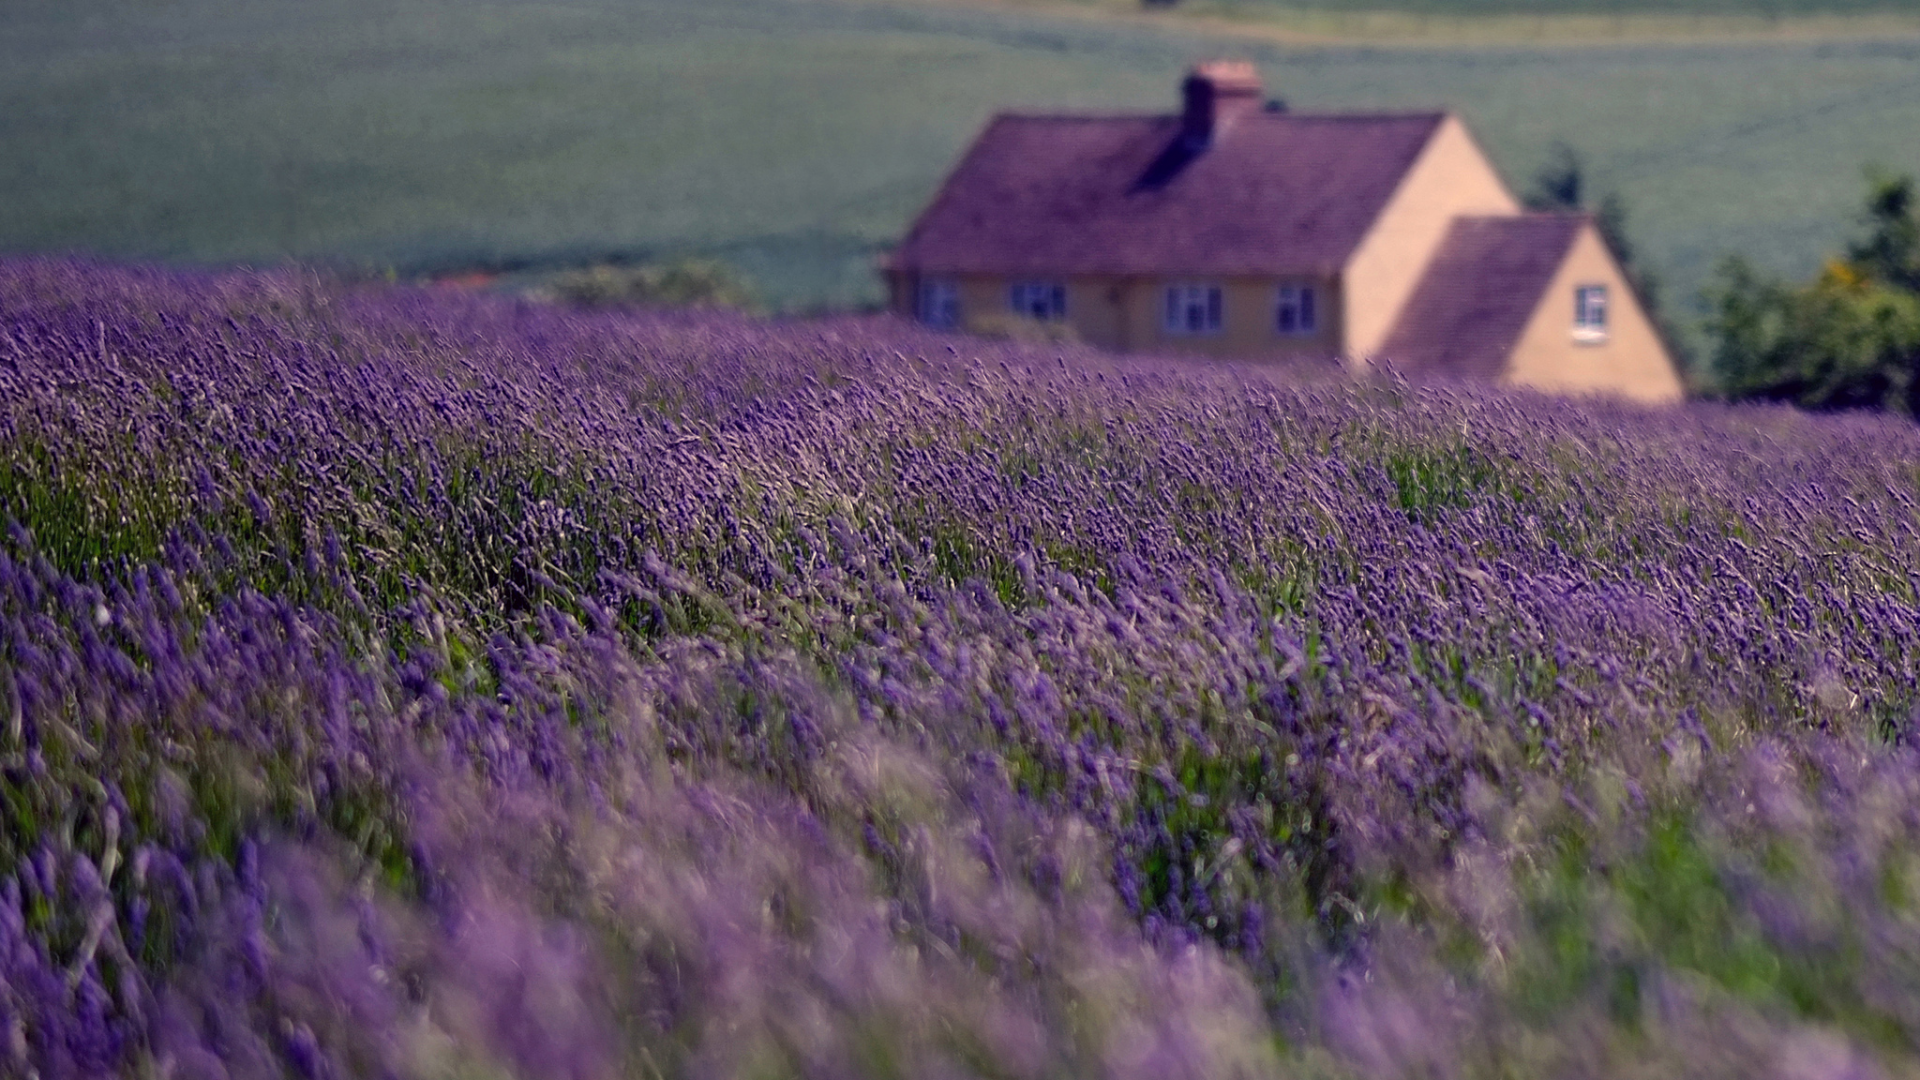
(402, 684)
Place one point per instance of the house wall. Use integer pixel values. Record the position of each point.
(1093, 304)
(1125, 314)
(1247, 328)
(1096, 307)
(985, 297)
(1451, 177)
(1632, 362)
(1097, 310)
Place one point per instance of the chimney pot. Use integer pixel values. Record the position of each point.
(1216, 94)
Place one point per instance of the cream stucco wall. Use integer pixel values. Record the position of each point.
(1096, 307)
(1632, 362)
(1097, 311)
(981, 297)
(1125, 314)
(1247, 326)
(1451, 177)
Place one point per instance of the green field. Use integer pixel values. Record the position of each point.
(1508, 22)
(1763, 8)
(795, 138)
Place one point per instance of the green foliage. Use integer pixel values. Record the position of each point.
(1849, 339)
(1011, 327)
(681, 283)
(1890, 252)
(1429, 481)
(1561, 182)
(1764, 8)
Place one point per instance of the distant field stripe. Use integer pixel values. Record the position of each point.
(1421, 28)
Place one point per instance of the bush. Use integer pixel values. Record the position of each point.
(1011, 327)
(1849, 339)
(682, 283)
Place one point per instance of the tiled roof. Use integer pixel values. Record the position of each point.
(1273, 193)
(1467, 312)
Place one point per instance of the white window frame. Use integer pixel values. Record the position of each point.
(1590, 313)
(1296, 305)
(1042, 301)
(1193, 308)
(938, 303)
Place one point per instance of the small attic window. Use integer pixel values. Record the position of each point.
(1045, 301)
(940, 303)
(1590, 314)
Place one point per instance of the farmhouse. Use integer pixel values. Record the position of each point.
(1239, 229)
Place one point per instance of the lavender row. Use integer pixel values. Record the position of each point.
(1055, 714)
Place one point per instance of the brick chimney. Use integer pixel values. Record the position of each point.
(1217, 93)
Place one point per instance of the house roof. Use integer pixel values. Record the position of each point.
(1482, 286)
(1274, 193)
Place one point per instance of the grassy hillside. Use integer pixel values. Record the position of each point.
(1761, 9)
(1499, 22)
(796, 137)
(403, 684)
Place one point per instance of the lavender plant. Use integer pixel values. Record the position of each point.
(410, 684)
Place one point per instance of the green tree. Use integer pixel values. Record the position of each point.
(684, 283)
(1561, 182)
(1890, 252)
(1849, 339)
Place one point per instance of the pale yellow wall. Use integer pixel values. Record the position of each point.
(1097, 310)
(1632, 362)
(1125, 314)
(1096, 307)
(1450, 178)
(1247, 320)
(981, 296)
(903, 292)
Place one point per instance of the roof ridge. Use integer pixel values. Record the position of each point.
(1290, 114)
